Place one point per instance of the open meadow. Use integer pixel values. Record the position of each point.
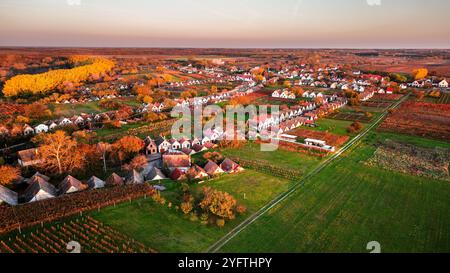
(349, 204)
(168, 230)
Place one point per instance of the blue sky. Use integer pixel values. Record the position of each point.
(221, 23)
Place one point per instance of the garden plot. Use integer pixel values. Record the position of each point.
(410, 159)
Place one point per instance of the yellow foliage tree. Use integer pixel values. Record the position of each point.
(54, 79)
(420, 73)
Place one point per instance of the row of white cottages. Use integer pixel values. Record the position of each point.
(312, 95)
(238, 91)
(283, 94)
(294, 117)
(191, 146)
(420, 84)
(45, 127)
(79, 120)
(264, 122)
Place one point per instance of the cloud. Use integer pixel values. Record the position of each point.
(374, 2)
(297, 7)
(74, 2)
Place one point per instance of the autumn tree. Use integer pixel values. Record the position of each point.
(137, 163)
(188, 94)
(169, 103)
(124, 112)
(84, 136)
(298, 91)
(241, 209)
(218, 203)
(213, 156)
(241, 100)
(8, 174)
(151, 117)
(213, 90)
(36, 111)
(318, 100)
(103, 148)
(220, 222)
(186, 207)
(58, 152)
(127, 146)
(146, 99)
(354, 127)
(420, 73)
(259, 78)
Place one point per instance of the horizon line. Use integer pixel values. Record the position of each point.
(204, 47)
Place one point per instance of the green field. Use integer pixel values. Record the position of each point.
(338, 127)
(167, 230)
(123, 129)
(349, 204)
(69, 109)
(279, 158)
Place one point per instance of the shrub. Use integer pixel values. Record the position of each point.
(220, 222)
(193, 217)
(186, 207)
(241, 209)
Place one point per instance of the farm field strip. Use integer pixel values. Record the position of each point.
(220, 243)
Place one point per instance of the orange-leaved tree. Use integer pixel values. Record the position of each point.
(8, 174)
(58, 152)
(420, 73)
(219, 203)
(127, 146)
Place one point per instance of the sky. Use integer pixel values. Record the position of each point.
(226, 23)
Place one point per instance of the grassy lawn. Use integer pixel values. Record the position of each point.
(167, 230)
(338, 127)
(124, 128)
(68, 110)
(71, 109)
(279, 158)
(349, 204)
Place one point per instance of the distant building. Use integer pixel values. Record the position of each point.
(39, 189)
(176, 160)
(29, 157)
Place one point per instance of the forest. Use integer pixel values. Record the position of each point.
(52, 80)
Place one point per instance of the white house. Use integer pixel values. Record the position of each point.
(443, 84)
(205, 140)
(175, 145)
(163, 144)
(39, 189)
(185, 143)
(417, 84)
(52, 126)
(95, 183)
(69, 185)
(65, 121)
(41, 128)
(28, 130)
